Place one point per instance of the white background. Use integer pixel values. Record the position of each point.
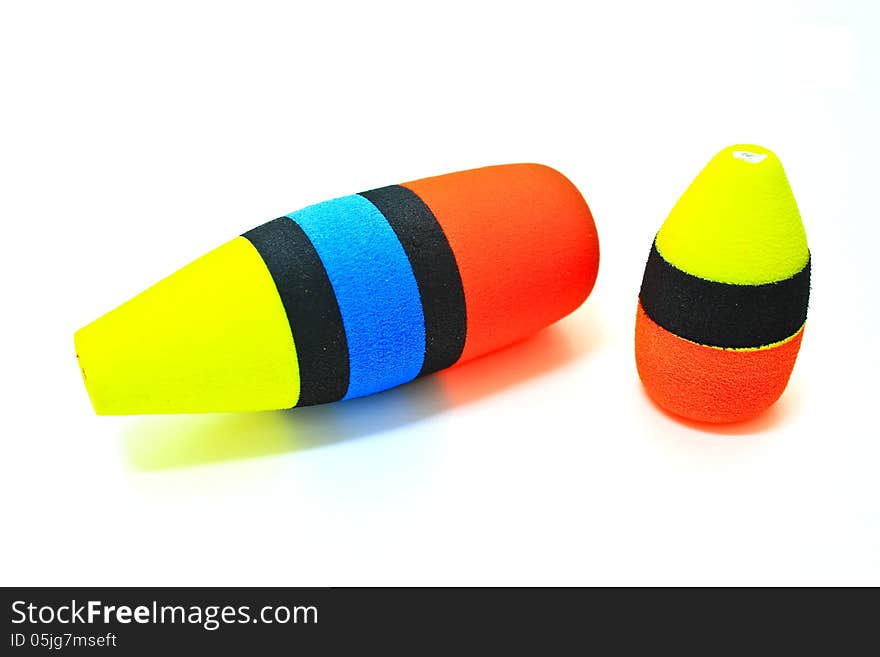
(134, 137)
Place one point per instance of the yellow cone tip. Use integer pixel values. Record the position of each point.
(738, 222)
(212, 337)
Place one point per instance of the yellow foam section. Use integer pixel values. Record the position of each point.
(738, 221)
(211, 337)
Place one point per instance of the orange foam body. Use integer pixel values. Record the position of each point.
(525, 244)
(708, 384)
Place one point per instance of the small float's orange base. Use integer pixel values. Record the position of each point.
(708, 384)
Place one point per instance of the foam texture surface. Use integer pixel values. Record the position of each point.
(738, 221)
(310, 304)
(211, 337)
(709, 384)
(724, 297)
(375, 288)
(351, 296)
(721, 314)
(435, 269)
(525, 244)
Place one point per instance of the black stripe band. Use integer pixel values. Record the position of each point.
(435, 270)
(311, 307)
(721, 314)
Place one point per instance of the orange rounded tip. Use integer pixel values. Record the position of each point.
(709, 384)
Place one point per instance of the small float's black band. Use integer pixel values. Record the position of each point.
(721, 314)
(435, 270)
(312, 310)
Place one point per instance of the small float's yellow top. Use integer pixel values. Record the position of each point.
(213, 336)
(738, 221)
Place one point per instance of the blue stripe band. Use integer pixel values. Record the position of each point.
(375, 288)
